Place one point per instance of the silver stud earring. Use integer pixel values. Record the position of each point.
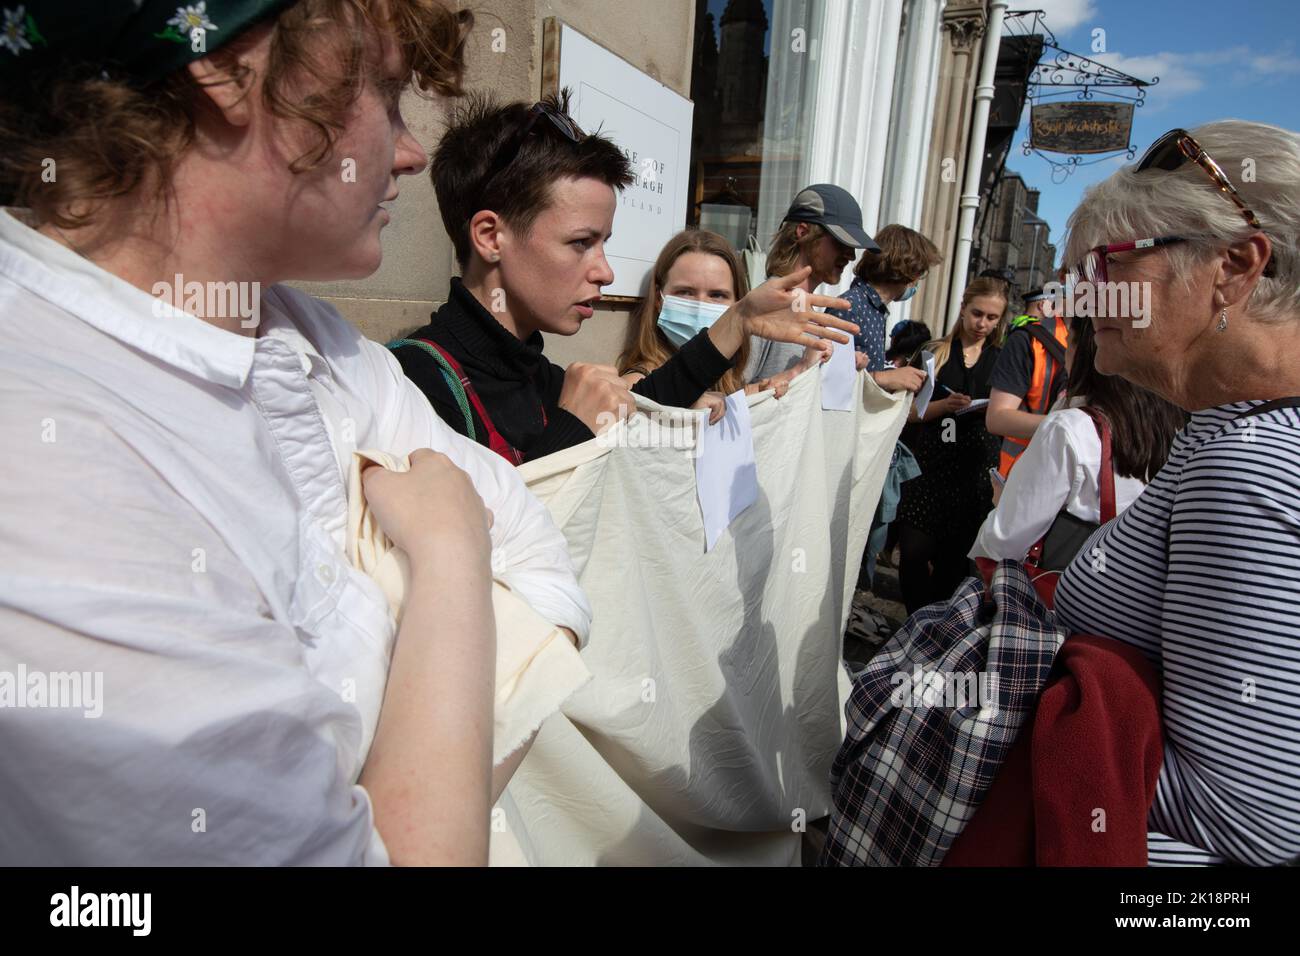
(496, 257)
(1223, 321)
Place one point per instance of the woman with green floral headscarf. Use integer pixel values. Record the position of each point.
(178, 424)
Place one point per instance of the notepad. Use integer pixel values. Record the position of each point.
(975, 405)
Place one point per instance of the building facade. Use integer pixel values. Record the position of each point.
(873, 96)
(1013, 237)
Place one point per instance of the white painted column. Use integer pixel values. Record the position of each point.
(915, 91)
(970, 197)
(846, 96)
(914, 98)
(855, 88)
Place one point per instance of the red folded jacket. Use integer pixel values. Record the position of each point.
(1076, 787)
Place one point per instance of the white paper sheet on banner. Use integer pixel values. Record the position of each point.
(716, 701)
(839, 379)
(726, 478)
(922, 401)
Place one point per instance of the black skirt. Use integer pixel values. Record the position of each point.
(952, 495)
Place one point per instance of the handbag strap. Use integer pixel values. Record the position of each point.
(1048, 341)
(1274, 405)
(454, 385)
(1106, 474)
(1105, 481)
(461, 388)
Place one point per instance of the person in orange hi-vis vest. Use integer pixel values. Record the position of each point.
(1029, 377)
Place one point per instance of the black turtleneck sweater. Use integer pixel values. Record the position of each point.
(515, 381)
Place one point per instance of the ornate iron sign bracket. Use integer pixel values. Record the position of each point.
(1061, 74)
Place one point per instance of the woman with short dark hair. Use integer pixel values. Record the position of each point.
(528, 199)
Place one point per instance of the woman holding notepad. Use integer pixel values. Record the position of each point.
(941, 511)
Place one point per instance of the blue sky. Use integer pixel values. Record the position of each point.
(1216, 60)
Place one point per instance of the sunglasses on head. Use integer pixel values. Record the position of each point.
(1171, 151)
(543, 119)
(1175, 148)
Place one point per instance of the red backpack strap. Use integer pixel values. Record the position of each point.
(1106, 474)
(495, 439)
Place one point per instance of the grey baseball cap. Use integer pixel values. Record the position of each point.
(830, 206)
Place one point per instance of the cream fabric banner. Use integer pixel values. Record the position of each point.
(537, 665)
(707, 732)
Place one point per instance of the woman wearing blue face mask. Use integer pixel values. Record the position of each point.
(881, 278)
(696, 277)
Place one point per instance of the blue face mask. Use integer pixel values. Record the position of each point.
(907, 294)
(682, 319)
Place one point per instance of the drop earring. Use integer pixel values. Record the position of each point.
(1223, 321)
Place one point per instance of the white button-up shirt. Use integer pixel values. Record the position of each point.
(172, 511)
(1059, 471)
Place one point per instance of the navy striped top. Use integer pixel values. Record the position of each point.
(1202, 573)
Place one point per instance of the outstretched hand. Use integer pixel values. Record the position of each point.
(781, 311)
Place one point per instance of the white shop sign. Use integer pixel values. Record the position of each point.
(650, 123)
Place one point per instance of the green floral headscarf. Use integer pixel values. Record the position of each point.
(140, 39)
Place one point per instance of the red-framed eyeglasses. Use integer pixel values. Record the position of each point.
(1093, 266)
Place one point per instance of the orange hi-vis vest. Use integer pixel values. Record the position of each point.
(1044, 385)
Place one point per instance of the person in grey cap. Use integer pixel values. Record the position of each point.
(822, 229)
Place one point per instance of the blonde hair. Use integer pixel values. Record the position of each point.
(646, 344)
(941, 349)
(1185, 202)
(787, 247)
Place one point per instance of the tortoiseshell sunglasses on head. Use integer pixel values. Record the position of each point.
(1175, 148)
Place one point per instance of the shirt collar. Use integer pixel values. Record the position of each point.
(873, 297)
(277, 324)
(58, 275)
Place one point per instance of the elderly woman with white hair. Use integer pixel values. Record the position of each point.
(1200, 573)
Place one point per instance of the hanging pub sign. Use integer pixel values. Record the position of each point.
(1080, 127)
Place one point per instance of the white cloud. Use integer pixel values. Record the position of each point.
(1274, 64)
(1062, 16)
(1177, 73)
(1183, 73)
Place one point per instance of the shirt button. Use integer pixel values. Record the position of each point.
(325, 574)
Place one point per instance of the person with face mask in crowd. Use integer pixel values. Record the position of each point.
(528, 200)
(696, 277)
(881, 278)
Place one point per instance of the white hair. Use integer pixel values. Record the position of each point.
(1262, 161)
